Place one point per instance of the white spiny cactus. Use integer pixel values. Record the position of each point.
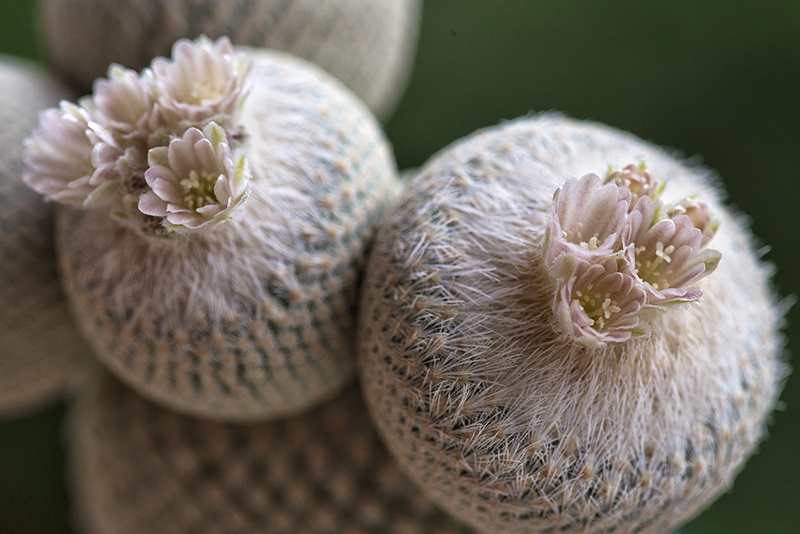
(367, 44)
(520, 400)
(213, 257)
(40, 348)
(137, 467)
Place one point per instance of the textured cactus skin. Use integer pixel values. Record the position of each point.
(137, 467)
(255, 318)
(367, 44)
(40, 348)
(499, 418)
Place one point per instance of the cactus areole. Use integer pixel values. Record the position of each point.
(562, 329)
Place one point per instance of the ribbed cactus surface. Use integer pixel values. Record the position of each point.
(501, 418)
(137, 467)
(367, 44)
(40, 348)
(254, 318)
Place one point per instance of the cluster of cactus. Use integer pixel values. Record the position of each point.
(537, 318)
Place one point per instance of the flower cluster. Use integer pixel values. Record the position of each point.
(614, 249)
(160, 150)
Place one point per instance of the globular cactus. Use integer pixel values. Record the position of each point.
(136, 467)
(367, 44)
(41, 351)
(213, 256)
(540, 347)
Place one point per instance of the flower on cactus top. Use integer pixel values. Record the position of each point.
(698, 212)
(636, 179)
(124, 147)
(121, 103)
(203, 81)
(599, 303)
(194, 181)
(586, 218)
(668, 254)
(60, 156)
(613, 251)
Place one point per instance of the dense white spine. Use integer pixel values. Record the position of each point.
(253, 318)
(137, 467)
(508, 422)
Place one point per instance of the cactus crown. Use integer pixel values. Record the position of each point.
(161, 150)
(614, 250)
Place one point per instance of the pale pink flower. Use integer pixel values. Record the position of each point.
(600, 302)
(121, 104)
(699, 213)
(203, 81)
(667, 255)
(609, 259)
(58, 155)
(586, 218)
(637, 180)
(194, 181)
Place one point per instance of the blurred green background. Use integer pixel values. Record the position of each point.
(716, 79)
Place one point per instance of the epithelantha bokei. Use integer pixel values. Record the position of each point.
(367, 44)
(216, 212)
(41, 351)
(564, 329)
(138, 467)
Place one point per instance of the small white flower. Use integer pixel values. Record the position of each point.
(609, 259)
(203, 81)
(667, 255)
(699, 213)
(586, 218)
(600, 303)
(121, 104)
(637, 180)
(195, 181)
(58, 155)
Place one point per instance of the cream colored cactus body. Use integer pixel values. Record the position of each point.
(137, 467)
(253, 317)
(507, 419)
(40, 348)
(367, 44)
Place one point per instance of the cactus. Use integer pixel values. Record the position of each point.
(367, 44)
(494, 383)
(137, 467)
(41, 351)
(217, 273)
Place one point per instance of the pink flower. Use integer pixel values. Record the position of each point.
(667, 254)
(600, 303)
(610, 259)
(586, 218)
(635, 179)
(699, 213)
(203, 81)
(121, 104)
(194, 181)
(58, 155)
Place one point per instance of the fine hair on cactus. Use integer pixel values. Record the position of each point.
(543, 344)
(217, 208)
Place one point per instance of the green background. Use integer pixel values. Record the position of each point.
(716, 79)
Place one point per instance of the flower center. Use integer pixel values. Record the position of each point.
(203, 91)
(653, 270)
(598, 307)
(198, 189)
